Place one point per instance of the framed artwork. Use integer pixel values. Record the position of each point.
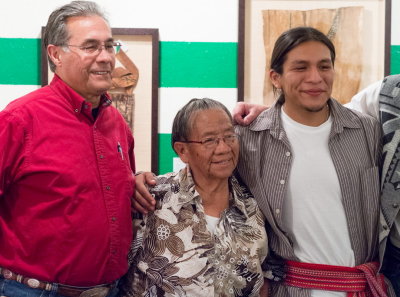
(135, 89)
(359, 29)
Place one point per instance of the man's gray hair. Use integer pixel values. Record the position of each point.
(56, 29)
(183, 121)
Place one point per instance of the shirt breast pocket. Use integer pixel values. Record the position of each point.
(123, 157)
(123, 167)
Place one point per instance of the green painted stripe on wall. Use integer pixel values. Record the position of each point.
(20, 61)
(166, 154)
(183, 64)
(395, 59)
(198, 64)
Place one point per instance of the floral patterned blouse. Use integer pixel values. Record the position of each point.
(174, 254)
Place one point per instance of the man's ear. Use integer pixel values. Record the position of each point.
(54, 53)
(182, 151)
(275, 78)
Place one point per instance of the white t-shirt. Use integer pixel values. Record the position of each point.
(313, 212)
(211, 223)
(367, 101)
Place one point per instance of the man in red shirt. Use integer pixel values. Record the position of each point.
(66, 169)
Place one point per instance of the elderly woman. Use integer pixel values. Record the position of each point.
(207, 235)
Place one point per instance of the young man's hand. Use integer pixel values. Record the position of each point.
(245, 113)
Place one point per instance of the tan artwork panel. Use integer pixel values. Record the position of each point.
(342, 25)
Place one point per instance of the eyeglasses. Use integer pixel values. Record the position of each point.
(212, 142)
(96, 48)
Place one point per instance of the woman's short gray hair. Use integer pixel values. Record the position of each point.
(56, 31)
(182, 125)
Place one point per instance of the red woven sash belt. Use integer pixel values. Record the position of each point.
(359, 281)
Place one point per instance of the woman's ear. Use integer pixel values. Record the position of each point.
(275, 79)
(182, 151)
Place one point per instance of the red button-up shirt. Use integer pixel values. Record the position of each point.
(66, 181)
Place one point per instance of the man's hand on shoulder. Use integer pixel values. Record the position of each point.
(143, 201)
(245, 113)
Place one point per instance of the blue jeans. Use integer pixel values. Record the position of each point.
(391, 266)
(10, 288)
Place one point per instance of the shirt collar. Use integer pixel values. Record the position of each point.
(270, 119)
(77, 102)
(237, 192)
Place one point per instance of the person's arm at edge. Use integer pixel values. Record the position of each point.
(245, 113)
(367, 100)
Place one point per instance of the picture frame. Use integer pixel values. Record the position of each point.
(135, 89)
(371, 30)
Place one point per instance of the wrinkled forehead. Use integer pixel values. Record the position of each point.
(209, 122)
(91, 27)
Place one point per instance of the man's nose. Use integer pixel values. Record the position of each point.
(314, 74)
(105, 55)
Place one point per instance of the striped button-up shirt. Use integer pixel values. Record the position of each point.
(354, 143)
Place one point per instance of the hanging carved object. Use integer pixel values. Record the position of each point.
(124, 81)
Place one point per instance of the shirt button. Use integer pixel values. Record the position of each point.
(282, 181)
(278, 211)
(85, 106)
(287, 154)
(101, 156)
(113, 219)
(76, 110)
(395, 205)
(114, 252)
(108, 188)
